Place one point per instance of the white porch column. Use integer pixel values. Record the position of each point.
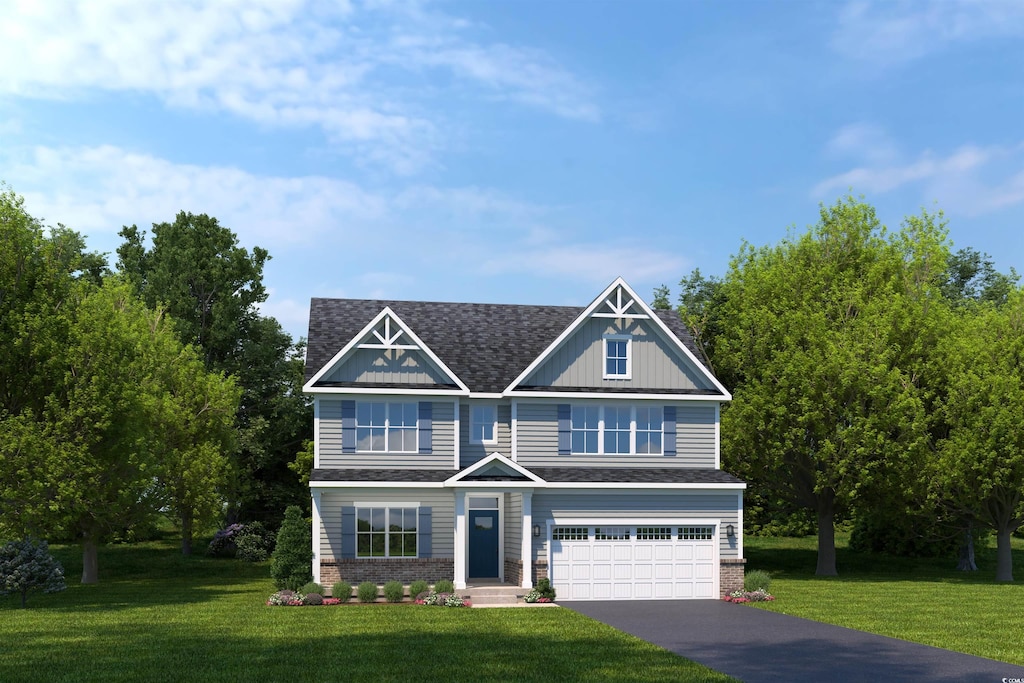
(316, 535)
(460, 539)
(527, 551)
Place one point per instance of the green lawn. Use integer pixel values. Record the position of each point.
(925, 601)
(156, 616)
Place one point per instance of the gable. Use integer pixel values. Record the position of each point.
(655, 364)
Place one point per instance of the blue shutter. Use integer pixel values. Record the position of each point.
(669, 431)
(564, 429)
(426, 411)
(348, 532)
(423, 543)
(348, 426)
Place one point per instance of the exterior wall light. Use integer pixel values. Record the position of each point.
(730, 530)
(536, 530)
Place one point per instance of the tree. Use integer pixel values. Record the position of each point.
(971, 276)
(980, 464)
(26, 567)
(824, 336)
(293, 556)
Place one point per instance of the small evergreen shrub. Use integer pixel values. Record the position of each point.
(342, 590)
(313, 599)
(417, 588)
(291, 564)
(757, 580)
(254, 542)
(394, 591)
(367, 591)
(545, 589)
(26, 567)
(444, 586)
(312, 587)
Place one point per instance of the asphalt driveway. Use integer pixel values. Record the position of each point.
(755, 645)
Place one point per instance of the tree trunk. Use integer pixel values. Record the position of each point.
(24, 597)
(1004, 559)
(966, 563)
(826, 542)
(90, 563)
(186, 533)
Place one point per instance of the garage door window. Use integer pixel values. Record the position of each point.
(611, 533)
(654, 533)
(570, 533)
(696, 533)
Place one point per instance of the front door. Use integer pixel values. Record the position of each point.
(483, 544)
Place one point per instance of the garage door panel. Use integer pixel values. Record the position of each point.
(580, 552)
(622, 553)
(602, 553)
(602, 572)
(663, 570)
(622, 571)
(704, 552)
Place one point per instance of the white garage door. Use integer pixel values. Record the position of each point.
(634, 562)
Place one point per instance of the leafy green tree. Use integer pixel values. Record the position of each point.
(27, 566)
(971, 276)
(980, 464)
(291, 563)
(661, 295)
(824, 336)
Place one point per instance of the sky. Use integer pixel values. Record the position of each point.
(510, 152)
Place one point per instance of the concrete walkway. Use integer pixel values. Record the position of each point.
(755, 645)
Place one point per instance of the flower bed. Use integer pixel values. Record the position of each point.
(442, 600)
(760, 595)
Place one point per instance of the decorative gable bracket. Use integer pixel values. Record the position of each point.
(613, 306)
(388, 332)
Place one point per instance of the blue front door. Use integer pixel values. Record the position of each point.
(483, 544)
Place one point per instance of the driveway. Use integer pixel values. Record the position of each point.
(755, 645)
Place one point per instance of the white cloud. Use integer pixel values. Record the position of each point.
(291, 63)
(594, 263)
(864, 141)
(887, 32)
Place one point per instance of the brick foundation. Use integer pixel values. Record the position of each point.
(540, 571)
(514, 571)
(382, 570)
(730, 576)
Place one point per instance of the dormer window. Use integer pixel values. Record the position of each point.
(483, 424)
(617, 356)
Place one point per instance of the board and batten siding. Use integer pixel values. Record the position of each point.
(470, 453)
(387, 366)
(442, 440)
(441, 502)
(596, 504)
(537, 440)
(655, 364)
(513, 526)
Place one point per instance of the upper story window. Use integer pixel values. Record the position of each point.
(602, 430)
(386, 427)
(483, 424)
(618, 356)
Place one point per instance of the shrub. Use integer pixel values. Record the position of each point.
(749, 596)
(904, 535)
(545, 589)
(444, 586)
(416, 588)
(286, 597)
(757, 580)
(394, 591)
(312, 587)
(26, 567)
(291, 564)
(254, 542)
(342, 591)
(313, 599)
(367, 591)
(223, 543)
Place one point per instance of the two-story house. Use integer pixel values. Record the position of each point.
(510, 442)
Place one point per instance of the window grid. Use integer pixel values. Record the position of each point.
(653, 533)
(611, 533)
(570, 533)
(482, 419)
(616, 430)
(696, 533)
(386, 427)
(649, 429)
(386, 532)
(616, 358)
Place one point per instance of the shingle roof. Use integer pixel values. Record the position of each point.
(600, 475)
(486, 345)
(376, 476)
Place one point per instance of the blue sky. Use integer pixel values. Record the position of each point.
(520, 152)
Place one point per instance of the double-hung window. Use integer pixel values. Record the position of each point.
(483, 424)
(386, 531)
(617, 356)
(610, 430)
(386, 427)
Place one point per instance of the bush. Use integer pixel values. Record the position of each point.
(757, 580)
(417, 588)
(223, 543)
(313, 599)
(312, 587)
(342, 590)
(367, 591)
(394, 591)
(444, 586)
(291, 564)
(545, 589)
(26, 567)
(904, 535)
(254, 542)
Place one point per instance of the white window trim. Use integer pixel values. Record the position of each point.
(387, 514)
(629, 356)
(632, 432)
(387, 427)
(473, 424)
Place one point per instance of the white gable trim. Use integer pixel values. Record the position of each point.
(389, 317)
(618, 309)
(486, 462)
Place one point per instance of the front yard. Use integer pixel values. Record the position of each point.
(159, 617)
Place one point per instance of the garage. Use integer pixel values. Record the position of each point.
(650, 561)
